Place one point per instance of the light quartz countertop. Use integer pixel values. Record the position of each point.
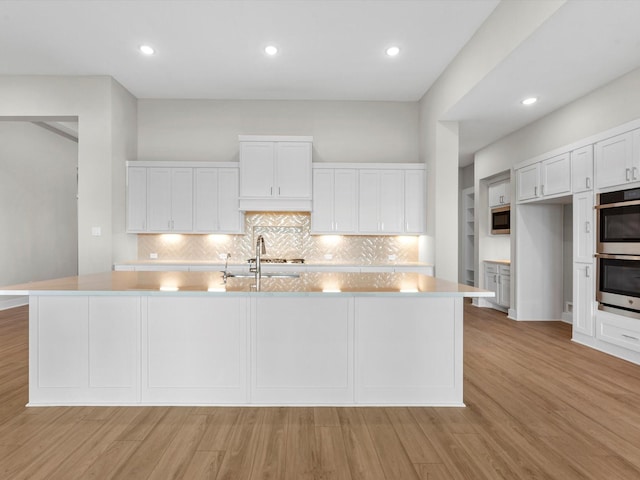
(220, 263)
(501, 262)
(211, 283)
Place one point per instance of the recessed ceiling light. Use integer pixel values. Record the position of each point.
(529, 101)
(271, 50)
(147, 50)
(393, 51)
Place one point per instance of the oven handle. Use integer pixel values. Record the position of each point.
(617, 257)
(630, 203)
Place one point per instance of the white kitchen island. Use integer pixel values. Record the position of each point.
(187, 338)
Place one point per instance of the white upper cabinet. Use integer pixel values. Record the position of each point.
(582, 169)
(201, 197)
(528, 181)
(414, 201)
(216, 201)
(555, 175)
(335, 201)
(170, 199)
(136, 199)
(499, 193)
(365, 200)
(381, 201)
(275, 173)
(617, 160)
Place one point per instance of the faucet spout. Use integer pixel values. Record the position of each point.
(260, 250)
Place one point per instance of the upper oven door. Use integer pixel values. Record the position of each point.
(619, 228)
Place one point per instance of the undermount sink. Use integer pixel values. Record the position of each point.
(264, 275)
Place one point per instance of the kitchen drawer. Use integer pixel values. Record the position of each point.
(504, 270)
(619, 330)
(490, 268)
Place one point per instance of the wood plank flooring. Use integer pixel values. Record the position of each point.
(538, 407)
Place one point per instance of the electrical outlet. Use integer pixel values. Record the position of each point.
(222, 256)
(393, 257)
(153, 256)
(96, 231)
(328, 256)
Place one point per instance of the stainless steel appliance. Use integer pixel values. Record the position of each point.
(501, 220)
(618, 252)
(618, 284)
(619, 222)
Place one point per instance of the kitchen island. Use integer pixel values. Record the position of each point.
(190, 338)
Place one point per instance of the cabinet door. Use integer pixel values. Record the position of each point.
(496, 194)
(322, 213)
(391, 201)
(556, 175)
(293, 170)
(582, 169)
(504, 290)
(159, 199)
(182, 199)
(230, 219)
(414, 201)
(257, 169)
(136, 199)
(368, 201)
(583, 298)
(613, 161)
(345, 204)
(583, 227)
(491, 283)
(206, 200)
(528, 179)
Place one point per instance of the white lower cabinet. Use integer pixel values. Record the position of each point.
(497, 278)
(583, 299)
(618, 330)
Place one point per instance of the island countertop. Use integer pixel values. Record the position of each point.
(211, 283)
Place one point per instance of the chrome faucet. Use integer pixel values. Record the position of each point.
(225, 273)
(257, 269)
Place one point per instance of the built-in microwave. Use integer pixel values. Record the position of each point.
(501, 220)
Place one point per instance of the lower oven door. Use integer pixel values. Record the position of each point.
(619, 282)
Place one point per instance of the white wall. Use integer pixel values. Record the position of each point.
(207, 130)
(89, 99)
(503, 31)
(38, 207)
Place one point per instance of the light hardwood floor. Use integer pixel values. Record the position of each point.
(538, 406)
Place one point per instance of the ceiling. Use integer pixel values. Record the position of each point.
(328, 50)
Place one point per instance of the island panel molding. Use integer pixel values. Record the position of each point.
(125, 338)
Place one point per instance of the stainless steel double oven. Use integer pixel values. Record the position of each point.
(618, 252)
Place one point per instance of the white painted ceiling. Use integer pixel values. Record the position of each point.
(329, 50)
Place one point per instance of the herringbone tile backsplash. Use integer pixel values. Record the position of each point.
(286, 236)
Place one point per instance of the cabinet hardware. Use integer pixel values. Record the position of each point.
(541, 189)
(634, 173)
(495, 278)
(535, 191)
(587, 227)
(628, 174)
(588, 182)
(271, 191)
(169, 224)
(587, 272)
(278, 191)
(629, 337)
(382, 226)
